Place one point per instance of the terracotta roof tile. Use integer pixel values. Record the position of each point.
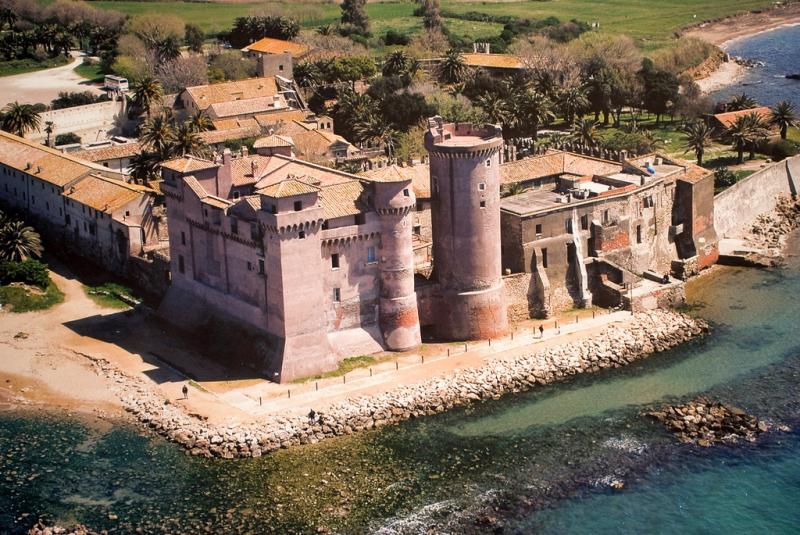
(317, 142)
(206, 95)
(273, 141)
(495, 61)
(105, 194)
(268, 45)
(48, 164)
(235, 122)
(275, 117)
(249, 106)
(341, 200)
(212, 137)
(419, 175)
(727, 119)
(113, 152)
(555, 163)
(188, 164)
(288, 188)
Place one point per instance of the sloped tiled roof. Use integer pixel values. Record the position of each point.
(275, 117)
(492, 61)
(555, 163)
(113, 152)
(212, 137)
(419, 175)
(273, 141)
(288, 188)
(268, 45)
(341, 200)
(206, 95)
(234, 122)
(48, 164)
(188, 164)
(249, 106)
(105, 194)
(316, 142)
(727, 119)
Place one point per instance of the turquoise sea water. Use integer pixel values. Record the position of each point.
(535, 462)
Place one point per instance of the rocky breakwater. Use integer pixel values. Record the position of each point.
(615, 346)
(705, 422)
(768, 233)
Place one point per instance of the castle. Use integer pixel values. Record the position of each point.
(319, 264)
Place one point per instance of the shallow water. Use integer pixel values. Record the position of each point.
(540, 460)
(779, 49)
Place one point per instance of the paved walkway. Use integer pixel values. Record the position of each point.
(45, 85)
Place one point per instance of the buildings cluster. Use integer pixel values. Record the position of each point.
(315, 264)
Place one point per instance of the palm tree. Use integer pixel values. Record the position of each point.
(7, 18)
(307, 74)
(375, 129)
(49, 127)
(146, 93)
(201, 122)
(784, 117)
(532, 109)
(145, 167)
(19, 242)
(187, 140)
(697, 136)
(452, 69)
(20, 118)
(572, 102)
(395, 64)
(584, 132)
(515, 188)
(157, 135)
(741, 102)
(495, 107)
(745, 133)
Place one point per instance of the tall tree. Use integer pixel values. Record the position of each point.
(660, 89)
(531, 110)
(431, 14)
(19, 242)
(20, 119)
(496, 108)
(49, 127)
(147, 93)
(784, 117)
(194, 37)
(745, 133)
(584, 132)
(373, 128)
(741, 102)
(452, 69)
(697, 137)
(187, 140)
(396, 63)
(572, 102)
(354, 13)
(157, 135)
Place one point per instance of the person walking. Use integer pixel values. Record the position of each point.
(185, 391)
(541, 331)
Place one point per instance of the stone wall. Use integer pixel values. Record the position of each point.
(736, 208)
(91, 122)
(614, 347)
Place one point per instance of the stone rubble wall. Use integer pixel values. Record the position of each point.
(615, 346)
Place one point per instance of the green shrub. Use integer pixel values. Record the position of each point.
(67, 139)
(724, 178)
(31, 272)
(782, 149)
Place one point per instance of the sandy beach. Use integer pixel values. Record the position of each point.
(723, 31)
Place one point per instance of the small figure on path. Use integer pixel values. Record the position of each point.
(312, 416)
(185, 391)
(541, 331)
(665, 279)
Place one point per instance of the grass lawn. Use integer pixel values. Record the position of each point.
(90, 72)
(346, 366)
(650, 25)
(107, 295)
(20, 66)
(22, 299)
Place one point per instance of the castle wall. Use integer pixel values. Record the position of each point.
(91, 121)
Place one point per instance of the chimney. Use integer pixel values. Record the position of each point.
(254, 168)
(224, 175)
(245, 151)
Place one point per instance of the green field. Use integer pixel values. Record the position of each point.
(89, 71)
(20, 66)
(651, 25)
(22, 299)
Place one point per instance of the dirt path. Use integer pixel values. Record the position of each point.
(43, 86)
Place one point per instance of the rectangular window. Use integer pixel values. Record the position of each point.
(260, 266)
(337, 295)
(483, 204)
(302, 235)
(361, 219)
(482, 186)
(370, 254)
(638, 234)
(273, 209)
(234, 226)
(183, 238)
(417, 229)
(544, 257)
(584, 222)
(605, 216)
(298, 205)
(335, 261)
(180, 264)
(489, 162)
(406, 192)
(539, 229)
(568, 225)
(249, 266)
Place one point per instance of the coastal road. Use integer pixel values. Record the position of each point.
(45, 85)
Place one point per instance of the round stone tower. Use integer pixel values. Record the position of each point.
(399, 320)
(465, 212)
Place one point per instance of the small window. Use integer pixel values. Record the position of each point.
(183, 238)
(298, 205)
(584, 222)
(260, 266)
(335, 261)
(180, 264)
(253, 232)
(544, 257)
(638, 234)
(370, 254)
(489, 162)
(483, 204)
(280, 67)
(605, 216)
(68, 220)
(302, 235)
(249, 266)
(417, 229)
(539, 229)
(568, 225)
(482, 186)
(273, 209)
(325, 225)
(235, 194)
(234, 226)
(407, 192)
(337, 295)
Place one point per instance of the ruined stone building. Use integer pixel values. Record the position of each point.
(584, 227)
